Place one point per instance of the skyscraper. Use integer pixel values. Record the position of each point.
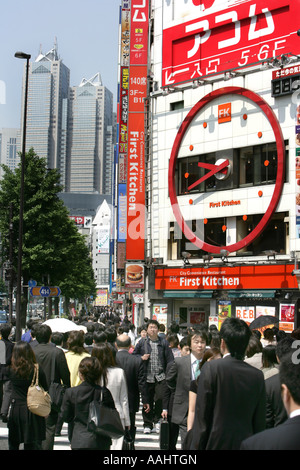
(89, 147)
(47, 91)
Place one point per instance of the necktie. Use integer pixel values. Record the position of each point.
(197, 370)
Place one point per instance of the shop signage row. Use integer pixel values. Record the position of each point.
(218, 278)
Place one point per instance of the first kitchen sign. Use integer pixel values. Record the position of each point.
(206, 38)
(218, 278)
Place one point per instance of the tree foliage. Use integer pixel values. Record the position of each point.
(52, 245)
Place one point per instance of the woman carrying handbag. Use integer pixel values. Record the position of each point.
(24, 426)
(76, 405)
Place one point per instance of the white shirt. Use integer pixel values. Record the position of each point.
(295, 413)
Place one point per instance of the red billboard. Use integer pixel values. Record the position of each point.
(227, 36)
(223, 277)
(138, 67)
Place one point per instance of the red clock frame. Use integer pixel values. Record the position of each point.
(270, 115)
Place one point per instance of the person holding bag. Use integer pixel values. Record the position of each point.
(76, 406)
(24, 426)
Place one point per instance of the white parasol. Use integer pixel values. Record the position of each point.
(63, 325)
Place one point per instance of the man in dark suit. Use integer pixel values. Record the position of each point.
(286, 436)
(276, 413)
(180, 374)
(47, 354)
(231, 397)
(135, 377)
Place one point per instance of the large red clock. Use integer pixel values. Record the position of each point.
(222, 166)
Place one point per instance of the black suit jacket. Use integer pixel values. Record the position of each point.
(75, 410)
(286, 436)
(135, 377)
(230, 406)
(276, 413)
(44, 355)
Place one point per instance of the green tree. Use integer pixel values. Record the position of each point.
(52, 245)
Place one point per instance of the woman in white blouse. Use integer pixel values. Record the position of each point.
(116, 383)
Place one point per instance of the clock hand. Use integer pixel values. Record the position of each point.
(215, 169)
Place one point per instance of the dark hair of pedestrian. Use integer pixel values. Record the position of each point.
(23, 359)
(289, 374)
(269, 358)
(284, 347)
(43, 334)
(254, 346)
(105, 356)
(75, 342)
(236, 334)
(91, 369)
(153, 322)
(5, 330)
(202, 333)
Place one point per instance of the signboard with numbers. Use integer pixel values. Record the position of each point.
(218, 36)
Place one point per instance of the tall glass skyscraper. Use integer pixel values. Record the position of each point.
(48, 87)
(89, 140)
(72, 127)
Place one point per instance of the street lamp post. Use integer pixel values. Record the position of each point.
(21, 55)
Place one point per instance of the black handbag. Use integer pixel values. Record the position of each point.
(128, 443)
(104, 421)
(164, 435)
(56, 390)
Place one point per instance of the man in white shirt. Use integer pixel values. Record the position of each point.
(285, 436)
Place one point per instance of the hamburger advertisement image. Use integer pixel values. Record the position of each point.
(134, 275)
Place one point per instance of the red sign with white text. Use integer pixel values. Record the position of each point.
(234, 35)
(139, 32)
(231, 278)
(135, 241)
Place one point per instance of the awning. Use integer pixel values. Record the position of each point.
(203, 294)
(255, 294)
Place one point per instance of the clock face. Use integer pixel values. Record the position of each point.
(223, 168)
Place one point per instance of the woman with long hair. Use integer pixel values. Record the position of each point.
(24, 426)
(76, 352)
(115, 380)
(75, 406)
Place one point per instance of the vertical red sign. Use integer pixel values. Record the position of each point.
(139, 28)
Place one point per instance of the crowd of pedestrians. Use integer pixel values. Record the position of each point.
(230, 389)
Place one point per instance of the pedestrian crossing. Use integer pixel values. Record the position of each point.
(61, 442)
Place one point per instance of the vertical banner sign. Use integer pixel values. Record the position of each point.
(125, 19)
(135, 241)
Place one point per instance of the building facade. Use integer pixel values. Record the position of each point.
(9, 148)
(90, 138)
(48, 85)
(222, 114)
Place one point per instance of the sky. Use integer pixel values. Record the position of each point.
(87, 34)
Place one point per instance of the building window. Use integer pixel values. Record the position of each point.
(253, 166)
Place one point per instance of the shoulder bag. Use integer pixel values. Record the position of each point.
(104, 421)
(38, 400)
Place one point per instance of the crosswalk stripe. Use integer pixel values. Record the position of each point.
(142, 441)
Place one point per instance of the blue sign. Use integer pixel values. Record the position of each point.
(45, 291)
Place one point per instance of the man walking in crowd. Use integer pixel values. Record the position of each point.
(47, 355)
(285, 436)
(231, 397)
(276, 412)
(6, 348)
(156, 354)
(180, 374)
(135, 378)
